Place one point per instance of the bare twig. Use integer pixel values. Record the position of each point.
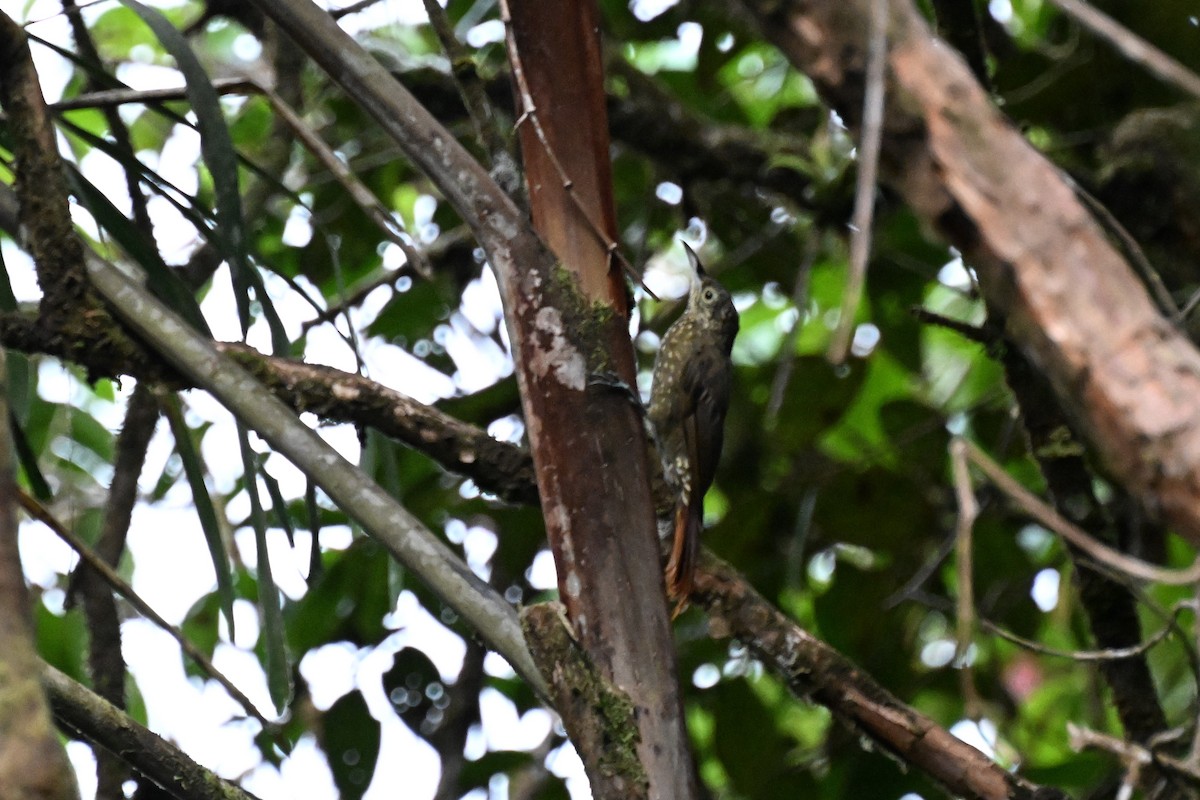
(1132, 755)
(470, 87)
(359, 193)
(968, 511)
(787, 350)
(353, 8)
(1051, 519)
(1135, 756)
(973, 333)
(1133, 251)
(1083, 656)
(110, 576)
(529, 115)
(120, 97)
(864, 189)
(96, 720)
(358, 294)
(1132, 46)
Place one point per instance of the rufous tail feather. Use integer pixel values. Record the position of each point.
(681, 566)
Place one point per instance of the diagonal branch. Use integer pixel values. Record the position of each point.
(815, 670)
(382, 517)
(95, 719)
(1126, 377)
(103, 571)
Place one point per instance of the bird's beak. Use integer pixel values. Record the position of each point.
(694, 260)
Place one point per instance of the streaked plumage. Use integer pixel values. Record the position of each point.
(688, 401)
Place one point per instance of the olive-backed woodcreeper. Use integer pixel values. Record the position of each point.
(688, 400)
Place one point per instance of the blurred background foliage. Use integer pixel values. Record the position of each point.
(834, 494)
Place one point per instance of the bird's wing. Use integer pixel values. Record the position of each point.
(706, 382)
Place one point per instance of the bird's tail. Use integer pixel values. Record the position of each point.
(685, 547)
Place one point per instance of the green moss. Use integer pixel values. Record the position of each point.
(586, 321)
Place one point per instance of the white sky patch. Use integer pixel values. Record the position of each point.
(487, 32)
(980, 735)
(866, 338)
(1045, 589)
(954, 274)
(304, 774)
(329, 671)
(938, 653)
(44, 557)
(196, 714)
(542, 574)
(646, 10)
(83, 760)
(161, 538)
(670, 193)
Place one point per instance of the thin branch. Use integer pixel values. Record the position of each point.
(1132, 46)
(1133, 251)
(529, 115)
(973, 333)
(968, 511)
(445, 242)
(1132, 755)
(105, 658)
(119, 97)
(95, 719)
(359, 193)
(787, 360)
(496, 467)
(1051, 519)
(470, 88)
(1084, 656)
(864, 189)
(381, 516)
(353, 8)
(119, 585)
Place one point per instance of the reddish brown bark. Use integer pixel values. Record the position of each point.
(587, 443)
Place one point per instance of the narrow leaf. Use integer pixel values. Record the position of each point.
(216, 147)
(193, 467)
(18, 364)
(38, 484)
(161, 279)
(279, 680)
(314, 527)
(280, 506)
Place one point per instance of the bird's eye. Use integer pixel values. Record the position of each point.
(710, 295)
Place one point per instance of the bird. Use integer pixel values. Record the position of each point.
(689, 396)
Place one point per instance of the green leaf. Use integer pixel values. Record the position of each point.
(193, 467)
(279, 506)
(162, 280)
(313, 512)
(216, 147)
(347, 601)
(61, 641)
(28, 460)
(351, 742)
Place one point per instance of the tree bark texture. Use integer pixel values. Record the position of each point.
(1126, 376)
(587, 441)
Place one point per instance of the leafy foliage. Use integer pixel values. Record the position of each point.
(834, 496)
